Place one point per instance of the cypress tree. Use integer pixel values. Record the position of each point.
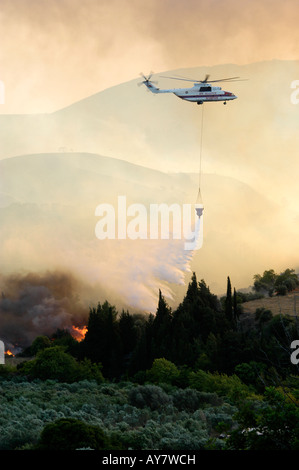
(162, 329)
(128, 333)
(102, 342)
(236, 308)
(228, 302)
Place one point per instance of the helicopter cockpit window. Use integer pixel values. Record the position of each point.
(205, 88)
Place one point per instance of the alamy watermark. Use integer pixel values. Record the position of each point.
(295, 354)
(2, 353)
(159, 221)
(295, 93)
(2, 92)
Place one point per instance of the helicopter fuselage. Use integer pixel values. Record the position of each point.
(199, 93)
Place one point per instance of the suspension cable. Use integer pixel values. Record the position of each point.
(200, 154)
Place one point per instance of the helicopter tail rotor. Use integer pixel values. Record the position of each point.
(146, 79)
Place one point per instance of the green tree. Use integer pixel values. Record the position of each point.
(102, 342)
(62, 337)
(265, 282)
(54, 363)
(286, 282)
(198, 315)
(237, 308)
(72, 434)
(163, 371)
(272, 426)
(263, 316)
(161, 330)
(86, 370)
(127, 332)
(212, 351)
(251, 373)
(142, 357)
(39, 344)
(229, 302)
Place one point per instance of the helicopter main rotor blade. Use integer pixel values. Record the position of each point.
(232, 79)
(176, 78)
(179, 77)
(206, 79)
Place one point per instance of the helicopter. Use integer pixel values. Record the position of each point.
(201, 92)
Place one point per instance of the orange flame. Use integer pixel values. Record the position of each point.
(9, 353)
(78, 333)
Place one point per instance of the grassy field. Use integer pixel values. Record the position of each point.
(286, 304)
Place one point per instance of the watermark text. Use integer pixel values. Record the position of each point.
(159, 221)
(295, 354)
(2, 353)
(295, 93)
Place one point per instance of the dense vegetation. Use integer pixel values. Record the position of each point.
(194, 378)
(271, 282)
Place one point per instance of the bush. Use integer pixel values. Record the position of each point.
(222, 384)
(72, 434)
(250, 372)
(7, 370)
(162, 371)
(86, 370)
(190, 399)
(281, 289)
(273, 426)
(187, 399)
(150, 396)
(39, 344)
(55, 364)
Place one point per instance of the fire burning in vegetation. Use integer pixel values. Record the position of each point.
(9, 353)
(36, 304)
(78, 332)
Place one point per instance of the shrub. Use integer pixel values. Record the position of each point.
(151, 396)
(7, 370)
(187, 399)
(273, 426)
(39, 344)
(72, 434)
(190, 399)
(54, 363)
(222, 384)
(249, 372)
(86, 370)
(162, 371)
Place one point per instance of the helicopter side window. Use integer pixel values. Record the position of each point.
(205, 88)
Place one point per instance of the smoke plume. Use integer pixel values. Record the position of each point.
(38, 304)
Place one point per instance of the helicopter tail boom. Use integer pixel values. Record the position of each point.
(154, 89)
(151, 87)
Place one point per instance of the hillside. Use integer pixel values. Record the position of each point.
(51, 198)
(57, 168)
(284, 304)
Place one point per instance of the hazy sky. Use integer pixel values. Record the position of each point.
(54, 52)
